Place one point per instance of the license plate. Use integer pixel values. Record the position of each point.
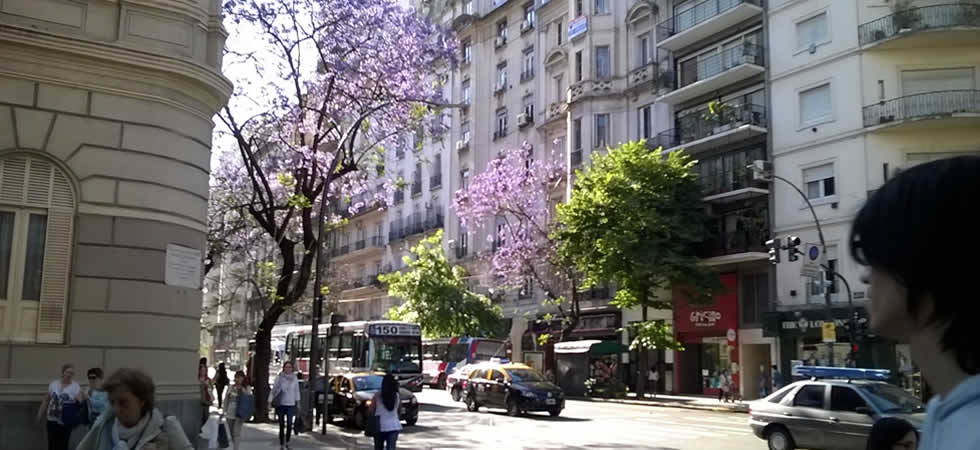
(550, 401)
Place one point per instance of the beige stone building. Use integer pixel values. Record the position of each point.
(105, 132)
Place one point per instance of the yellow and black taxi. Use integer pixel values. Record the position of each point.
(354, 392)
(515, 387)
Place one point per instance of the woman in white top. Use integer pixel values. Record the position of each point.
(285, 397)
(60, 391)
(386, 405)
(231, 407)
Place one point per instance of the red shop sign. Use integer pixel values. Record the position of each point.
(713, 319)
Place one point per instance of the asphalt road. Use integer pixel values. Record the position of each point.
(444, 424)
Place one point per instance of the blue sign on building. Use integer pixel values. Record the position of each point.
(578, 26)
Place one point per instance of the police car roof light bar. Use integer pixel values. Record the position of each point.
(841, 372)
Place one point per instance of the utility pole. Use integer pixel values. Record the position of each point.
(317, 308)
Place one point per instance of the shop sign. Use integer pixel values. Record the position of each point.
(705, 319)
(577, 26)
(713, 319)
(829, 332)
(804, 324)
(731, 335)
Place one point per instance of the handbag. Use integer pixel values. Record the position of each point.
(245, 408)
(277, 399)
(372, 426)
(71, 414)
(298, 425)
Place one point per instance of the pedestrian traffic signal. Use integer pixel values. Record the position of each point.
(773, 245)
(854, 348)
(791, 251)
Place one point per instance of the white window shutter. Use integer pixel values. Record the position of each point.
(54, 280)
(13, 175)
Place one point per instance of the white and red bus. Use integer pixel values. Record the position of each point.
(380, 345)
(441, 356)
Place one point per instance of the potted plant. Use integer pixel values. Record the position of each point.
(906, 17)
(719, 114)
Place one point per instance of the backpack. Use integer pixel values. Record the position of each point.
(245, 408)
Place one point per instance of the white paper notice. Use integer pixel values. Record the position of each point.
(183, 267)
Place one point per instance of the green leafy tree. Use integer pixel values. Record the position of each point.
(635, 217)
(436, 296)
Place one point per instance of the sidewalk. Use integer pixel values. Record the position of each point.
(265, 436)
(703, 403)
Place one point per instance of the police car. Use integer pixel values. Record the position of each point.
(834, 409)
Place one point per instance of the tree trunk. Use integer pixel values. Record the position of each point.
(641, 369)
(263, 357)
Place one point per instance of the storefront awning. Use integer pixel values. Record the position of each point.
(592, 347)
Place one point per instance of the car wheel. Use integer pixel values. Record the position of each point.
(555, 412)
(471, 404)
(457, 394)
(411, 421)
(441, 384)
(512, 409)
(780, 439)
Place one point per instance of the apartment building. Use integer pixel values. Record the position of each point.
(860, 90)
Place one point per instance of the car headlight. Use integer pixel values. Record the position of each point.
(528, 394)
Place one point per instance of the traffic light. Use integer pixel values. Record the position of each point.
(792, 252)
(773, 245)
(854, 348)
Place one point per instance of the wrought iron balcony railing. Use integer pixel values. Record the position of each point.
(734, 242)
(727, 172)
(416, 187)
(924, 105)
(377, 241)
(435, 181)
(700, 13)
(360, 245)
(918, 19)
(700, 69)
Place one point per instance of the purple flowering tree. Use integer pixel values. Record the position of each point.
(322, 88)
(515, 196)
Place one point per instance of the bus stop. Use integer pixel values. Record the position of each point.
(578, 361)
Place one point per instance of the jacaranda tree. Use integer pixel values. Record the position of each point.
(322, 87)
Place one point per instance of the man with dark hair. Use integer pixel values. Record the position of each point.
(916, 236)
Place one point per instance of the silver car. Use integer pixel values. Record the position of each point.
(830, 414)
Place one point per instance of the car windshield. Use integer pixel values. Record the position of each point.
(892, 399)
(524, 375)
(368, 383)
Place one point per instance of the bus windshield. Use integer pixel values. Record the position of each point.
(368, 383)
(396, 354)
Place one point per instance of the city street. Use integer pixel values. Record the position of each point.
(445, 424)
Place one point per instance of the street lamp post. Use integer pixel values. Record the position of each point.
(763, 170)
(317, 309)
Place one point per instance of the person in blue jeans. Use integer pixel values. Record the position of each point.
(385, 405)
(285, 397)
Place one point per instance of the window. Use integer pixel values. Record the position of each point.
(645, 117)
(922, 81)
(819, 182)
(529, 106)
(558, 31)
(754, 297)
(560, 89)
(577, 134)
(812, 31)
(502, 76)
(603, 67)
(529, 14)
(464, 131)
(815, 288)
(467, 92)
(502, 30)
(467, 47)
(810, 396)
(36, 220)
(815, 105)
(643, 50)
(602, 6)
(601, 131)
(845, 399)
(578, 66)
(497, 376)
(578, 8)
(501, 129)
(527, 64)
(468, 7)
(500, 237)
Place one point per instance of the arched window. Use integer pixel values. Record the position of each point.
(37, 212)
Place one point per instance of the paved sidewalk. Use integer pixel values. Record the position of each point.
(703, 403)
(261, 436)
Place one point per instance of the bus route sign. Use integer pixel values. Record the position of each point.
(394, 329)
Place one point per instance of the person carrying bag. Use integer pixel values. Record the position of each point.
(239, 407)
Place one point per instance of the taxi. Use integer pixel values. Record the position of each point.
(354, 392)
(515, 387)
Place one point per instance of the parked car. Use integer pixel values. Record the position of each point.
(455, 381)
(831, 414)
(515, 387)
(354, 391)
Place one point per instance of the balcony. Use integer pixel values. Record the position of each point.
(435, 181)
(527, 75)
(593, 88)
(725, 179)
(434, 221)
(416, 188)
(924, 27)
(360, 245)
(464, 16)
(745, 242)
(399, 197)
(928, 109)
(576, 158)
(498, 134)
(701, 77)
(643, 77)
(415, 225)
(704, 130)
(461, 251)
(556, 111)
(340, 251)
(396, 232)
(377, 242)
(706, 19)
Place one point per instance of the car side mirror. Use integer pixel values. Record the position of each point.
(864, 410)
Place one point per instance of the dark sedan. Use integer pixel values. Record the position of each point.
(514, 387)
(354, 392)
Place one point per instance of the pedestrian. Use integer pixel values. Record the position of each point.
(98, 398)
(722, 386)
(389, 423)
(892, 433)
(206, 396)
(221, 382)
(133, 423)
(763, 381)
(235, 423)
(921, 275)
(285, 398)
(653, 379)
(777, 378)
(60, 392)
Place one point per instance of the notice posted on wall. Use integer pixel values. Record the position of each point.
(183, 267)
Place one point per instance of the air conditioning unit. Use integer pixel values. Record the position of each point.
(499, 41)
(525, 25)
(522, 119)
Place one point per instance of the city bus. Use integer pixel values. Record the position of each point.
(441, 356)
(379, 345)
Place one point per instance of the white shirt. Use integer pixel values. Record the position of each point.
(58, 394)
(289, 387)
(388, 417)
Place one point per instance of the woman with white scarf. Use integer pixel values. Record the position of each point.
(132, 423)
